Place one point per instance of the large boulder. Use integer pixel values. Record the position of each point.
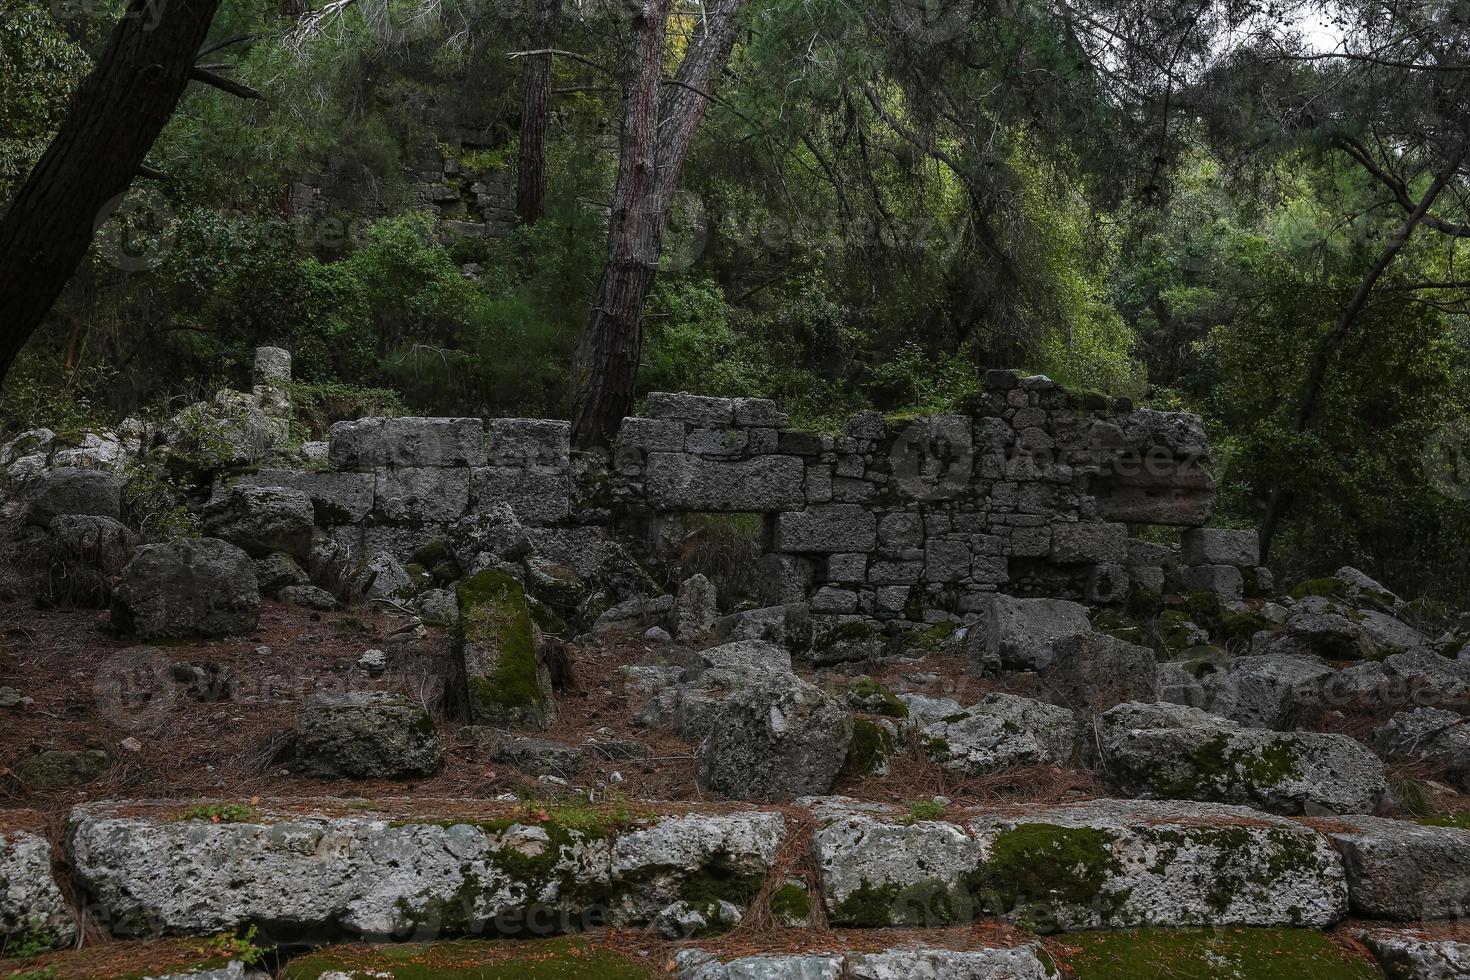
(1408, 957)
(364, 735)
(775, 740)
(73, 490)
(756, 655)
(1269, 691)
(1019, 634)
(1092, 672)
(1170, 751)
(1002, 730)
(32, 907)
(496, 642)
(261, 520)
(1399, 869)
(188, 587)
(1432, 736)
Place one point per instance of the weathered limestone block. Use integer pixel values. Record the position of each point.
(694, 409)
(536, 495)
(759, 412)
(1269, 690)
(1219, 546)
(421, 495)
(1399, 869)
(783, 579)
(640, 436)
(933, 458)
(261, 520)
(775, 741)
(32, 907)
(1416, 958)
(187, 587)
(1223, 581)
(1002, 730)
(946, 561)
(365, 444)
(72, 490)
(1027, 962)
(678, 481)
(380, 877)
(336, 498)
(364, 735)
(1104, 863)
(496, 640)
(529, 442)
(1169, 751)
(272, 366)
(1154, 489)
(828, 528)
(1018, 634)
(1092, 672)
(1087, 542)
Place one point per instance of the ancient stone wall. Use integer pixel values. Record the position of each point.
(1031, 492)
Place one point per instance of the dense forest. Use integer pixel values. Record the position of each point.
(1246, 210)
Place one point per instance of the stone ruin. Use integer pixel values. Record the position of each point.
(1032, 491)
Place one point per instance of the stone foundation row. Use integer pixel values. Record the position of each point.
(344, 870)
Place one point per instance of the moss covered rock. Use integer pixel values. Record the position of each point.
(496, 641)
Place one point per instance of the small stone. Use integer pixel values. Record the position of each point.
(373, 662)
(657, 634)
(130, 745)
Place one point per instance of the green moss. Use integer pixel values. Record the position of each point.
(1116, 625)
(854, 632)
(720, 880)
(924, 810)
(1241, 626)
(494, 638)
(924, 903)
(791, 905)
(1460, 820)
(223, 813)
(876, 699)
(1214, 771)
(1209, 954)
(1034, 869)
(870, 748)
(1176, 631)
(436, 552)
(1142, 603)
(555, 959)
(932, 638)
(1331, 588)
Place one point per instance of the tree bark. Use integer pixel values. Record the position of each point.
(535, 108)
(1317, 373)
(115, 116)
(660, 120)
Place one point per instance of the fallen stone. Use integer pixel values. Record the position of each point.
(364, 735)
(540, 757)
(1018, 634)
(756, 655)
(775, 740)
(32, 907)
(187, 587)
(1268, 691)
(275, 572)
(309, 597)
(1415, 958)
(1002, 730)
(695, 609)
(73, 490)
(61, 768)
(1219, 546)
(261, 520)
(1019, 963)
(1092, 672)
(1169, 751)
(495, 642)
(1399, 869)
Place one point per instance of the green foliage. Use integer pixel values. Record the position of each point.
(41, 65)
(1204, 954)
(223, 813)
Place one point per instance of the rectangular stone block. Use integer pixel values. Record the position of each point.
(828, 528)
(832, 600)
(538, 495)
(695, 409)
(895, 572)
(718, 442)
(679, 481)
(946, 561)
(336, 498)
(759, 411)
(852, 567)
(1087, 542)
(900, 531)
(544, 442)
(421, 494)
(1224, 581)
(406, 443)
(1220, 546)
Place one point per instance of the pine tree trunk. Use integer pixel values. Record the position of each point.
(659, 123)
(535, 109)
(115, 116)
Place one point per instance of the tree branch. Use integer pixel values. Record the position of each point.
(224, 84)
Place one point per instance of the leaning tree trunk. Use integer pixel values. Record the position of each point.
(535, 109)
(659, 122)
(1317, 374)
(115, 115)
